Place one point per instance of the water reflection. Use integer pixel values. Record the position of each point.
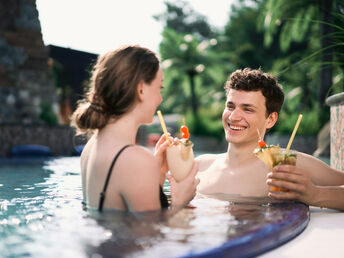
(233, 225)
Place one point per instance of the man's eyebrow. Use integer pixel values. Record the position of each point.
(230, 103)
(248, 105)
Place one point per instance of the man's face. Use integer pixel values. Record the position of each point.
(245, 111)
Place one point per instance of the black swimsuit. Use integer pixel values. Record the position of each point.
(163, 198)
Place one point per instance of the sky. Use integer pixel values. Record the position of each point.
(97, 26)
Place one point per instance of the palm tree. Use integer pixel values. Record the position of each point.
(185, 57)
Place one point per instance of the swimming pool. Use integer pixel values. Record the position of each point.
(41, 216)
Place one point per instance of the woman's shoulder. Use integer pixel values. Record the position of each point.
(136, 152)
(137, 157)
(137, 168)
(86, 151)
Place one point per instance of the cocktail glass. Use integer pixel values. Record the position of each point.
(180, 158)
(282, 157)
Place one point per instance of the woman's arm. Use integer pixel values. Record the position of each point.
(160, 155)
(184, 191)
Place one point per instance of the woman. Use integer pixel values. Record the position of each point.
(117, 174)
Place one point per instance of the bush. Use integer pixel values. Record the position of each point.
(47, 114)
(208, 123)
(309, 125)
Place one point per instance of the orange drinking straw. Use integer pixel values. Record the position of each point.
(163, 125)
(294, 132)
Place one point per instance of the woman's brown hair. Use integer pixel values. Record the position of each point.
(113, 86)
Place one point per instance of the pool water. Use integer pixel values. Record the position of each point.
(41, 216)
(40, 213)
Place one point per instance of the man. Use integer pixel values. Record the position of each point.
(254, 100)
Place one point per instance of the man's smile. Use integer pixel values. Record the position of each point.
(237, 128)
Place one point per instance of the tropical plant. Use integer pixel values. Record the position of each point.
(193, 71)
(186, 57)
(320, 24)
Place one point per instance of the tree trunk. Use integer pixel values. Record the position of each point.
(326, 58)
(194, 102)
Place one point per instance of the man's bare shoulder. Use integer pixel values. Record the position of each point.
(206, 160)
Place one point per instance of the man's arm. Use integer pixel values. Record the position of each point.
(301, 188)
(330, 197)
(311, 181)
(319, 172)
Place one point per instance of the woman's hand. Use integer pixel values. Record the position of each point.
(160, 155)
(184, 191)
(296, 181)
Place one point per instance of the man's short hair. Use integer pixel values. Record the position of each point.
(256, 80)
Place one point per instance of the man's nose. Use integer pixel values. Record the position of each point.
(235, 115)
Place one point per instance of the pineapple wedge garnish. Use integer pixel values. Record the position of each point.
(266, 153)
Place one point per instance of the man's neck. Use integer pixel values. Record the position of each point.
(240, 153)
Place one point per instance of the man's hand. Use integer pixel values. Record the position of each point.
(296, 181)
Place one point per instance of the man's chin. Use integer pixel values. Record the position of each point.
(234, 139)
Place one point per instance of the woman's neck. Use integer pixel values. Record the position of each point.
(123, 130)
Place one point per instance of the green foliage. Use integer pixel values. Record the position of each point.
(310, 124)
(191, 69)
(318, 24)
(47, 114)
(283, 38)
(209, 123)
(294, 18)
(183, 51)
(243, 43)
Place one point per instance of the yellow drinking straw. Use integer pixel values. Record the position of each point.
(294, 132)
(163, 125)
(260, 138)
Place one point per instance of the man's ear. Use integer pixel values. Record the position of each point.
(271, 120)
(140, 90)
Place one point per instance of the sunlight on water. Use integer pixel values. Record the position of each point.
(41, 213)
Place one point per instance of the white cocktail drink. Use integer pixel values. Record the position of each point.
(180, 158)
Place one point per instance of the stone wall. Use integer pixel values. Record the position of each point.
(26, 83)
(27, 90)
(337, 130)
(60, 139)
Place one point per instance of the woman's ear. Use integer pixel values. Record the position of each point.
(140, 90)
(271, 120)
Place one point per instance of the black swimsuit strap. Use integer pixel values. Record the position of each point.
(163, 199)
(102, 194)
